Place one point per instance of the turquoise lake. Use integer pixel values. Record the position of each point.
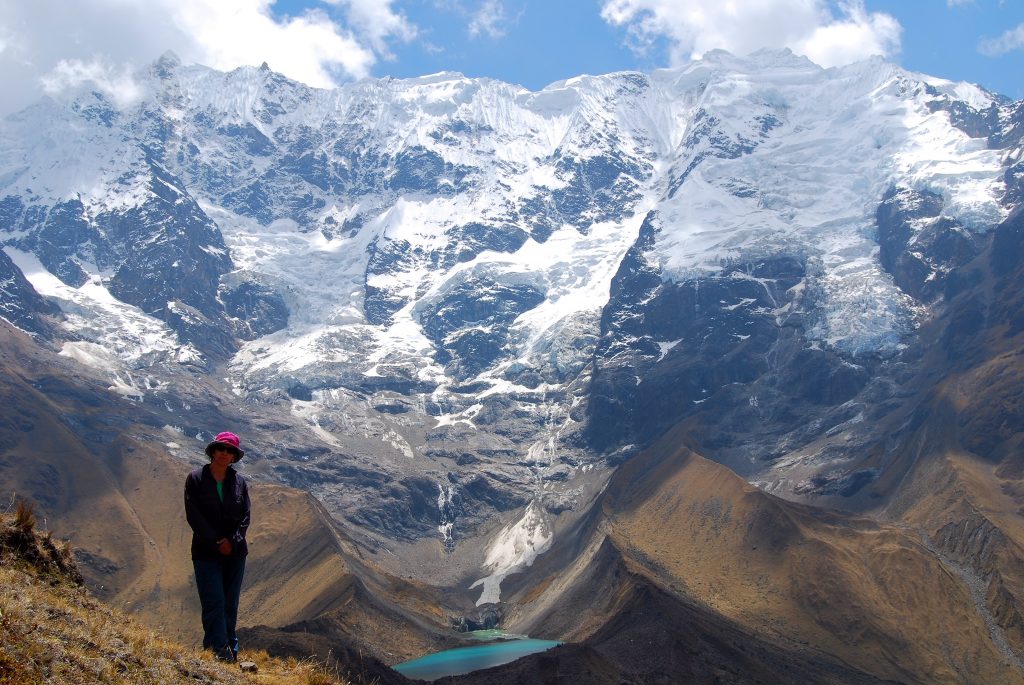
(465, 659)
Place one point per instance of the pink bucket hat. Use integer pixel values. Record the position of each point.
(227, 440)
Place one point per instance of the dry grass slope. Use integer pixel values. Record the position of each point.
(53, 631)
(100, 474)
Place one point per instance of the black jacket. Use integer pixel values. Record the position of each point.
(212, 520)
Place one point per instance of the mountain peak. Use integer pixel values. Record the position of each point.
(765, 58)
(435, 78)
(165, 66)
(169, 58)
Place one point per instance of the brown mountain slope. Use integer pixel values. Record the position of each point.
(632, 626)
(73, 449)
(926, 585)
(54, 631)
(963, 482)
(805, 590)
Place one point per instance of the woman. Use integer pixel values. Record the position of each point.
(217, 509)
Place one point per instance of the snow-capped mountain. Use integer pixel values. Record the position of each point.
(438, 301)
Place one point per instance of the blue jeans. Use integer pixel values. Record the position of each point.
(219, 583)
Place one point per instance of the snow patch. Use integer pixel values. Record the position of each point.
(665, 347)
(514, 549)
(399, 443)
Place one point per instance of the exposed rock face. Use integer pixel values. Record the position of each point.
(20, 304)
(451, 310)
(259, 310)
(164, 255)
(917, 245)
(441, 299)
(470, 325)
(658, 362)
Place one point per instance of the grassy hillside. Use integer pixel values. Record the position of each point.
(52, 630)
(98, 470)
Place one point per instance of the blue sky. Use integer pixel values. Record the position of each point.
(534, 43)
(962, 42)
(48, 45)
(541, 42)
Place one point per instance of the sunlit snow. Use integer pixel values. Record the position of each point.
(514, 549)
(116, 336)
(735, 159)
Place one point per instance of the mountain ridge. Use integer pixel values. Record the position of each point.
(699, 516)
(459, 315)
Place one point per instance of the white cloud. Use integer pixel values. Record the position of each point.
(52, 44)
(116, 82)
(1008, 42)
(954, 3)
(376, 22)
(857, 36)
(225, 34)
(490, 19)
(808, 27)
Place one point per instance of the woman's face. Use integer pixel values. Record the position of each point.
(222, 457)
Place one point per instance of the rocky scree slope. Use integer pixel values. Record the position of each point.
(449, 306)
(76, 449)
(687, 572)
(53, 630)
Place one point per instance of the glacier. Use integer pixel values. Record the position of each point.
(421, 271)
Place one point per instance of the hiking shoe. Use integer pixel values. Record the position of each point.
(225, 654)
